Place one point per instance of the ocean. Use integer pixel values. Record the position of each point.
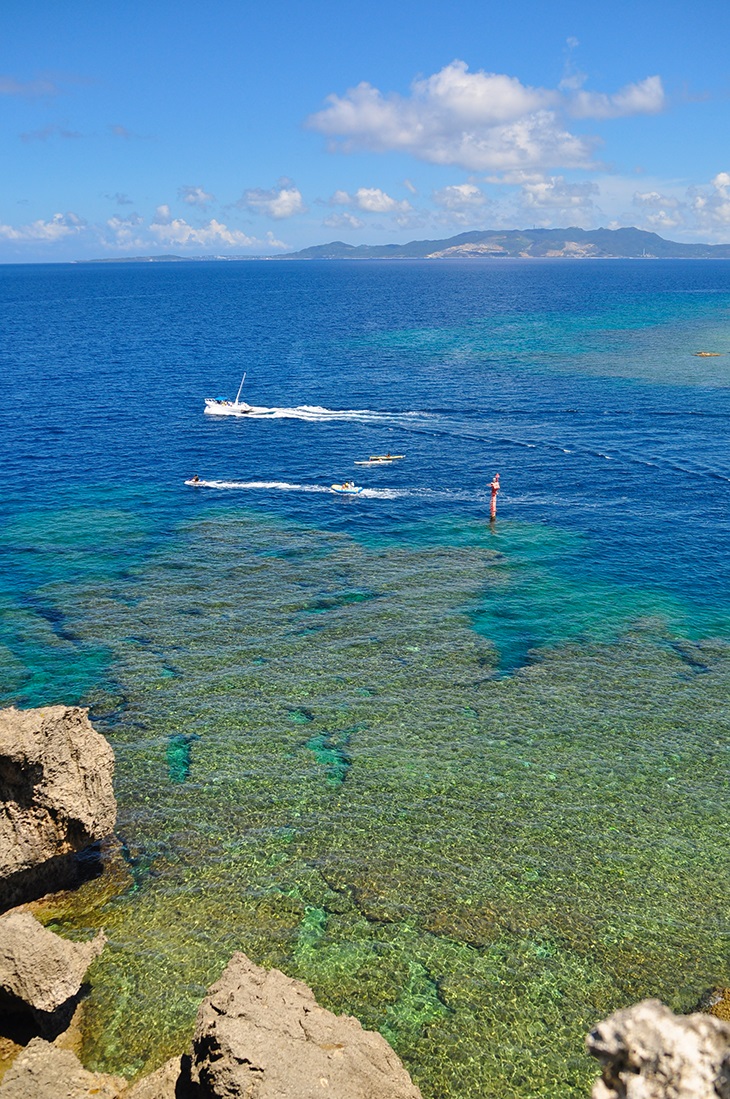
(467, 780)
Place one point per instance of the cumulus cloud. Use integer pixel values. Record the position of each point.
(195, 196)
(169, 230)
(124, 232)
(554, 192)
(652, 199)
(344, 220)
(645, 97)
(57, 228)
(120, 198)
(282, 202)
(479, 121)
(711, 205)
(274, 242)
(371, 200)
(658, 211)
(460, 197)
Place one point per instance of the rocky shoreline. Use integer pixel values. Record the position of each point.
(259, 1034)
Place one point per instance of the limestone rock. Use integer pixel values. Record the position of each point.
(56, 796)
(647, 1052)
(39, 968)
(168, 1082)
(262, 1035)
(42, 1071)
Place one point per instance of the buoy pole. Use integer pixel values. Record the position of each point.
(494, 485)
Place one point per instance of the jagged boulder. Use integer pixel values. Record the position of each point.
(56, 797)
(647, 1052)
(41, 1071)
(262, 1034)
(40, 971)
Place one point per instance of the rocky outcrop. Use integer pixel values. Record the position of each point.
(40, 972)
(647, 1052)
(56, 797)
(172, 1081)
(262, 1034)
(42, 1071)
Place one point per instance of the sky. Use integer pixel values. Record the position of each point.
(236, 127)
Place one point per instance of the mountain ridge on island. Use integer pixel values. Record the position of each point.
(571, 243)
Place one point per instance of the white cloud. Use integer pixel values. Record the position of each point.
(195, 196)
(274, 242)
(169, 230)
(476, 120)
(645, 97)
(659, 211)
(124, 232)
(480, 121)
(711, 205)
(653, 199)
(59, 227)
(410, 186)
(343, 221)
(554, 192)
(460, 197)
(371, 200)
(282, 203)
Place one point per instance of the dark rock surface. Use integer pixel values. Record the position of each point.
(56, 798)
(647, 1052)
(262, 1035)
(40, 971)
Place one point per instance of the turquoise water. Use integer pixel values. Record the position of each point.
(468, 782)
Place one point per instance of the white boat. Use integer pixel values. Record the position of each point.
(219, 406)
(347, 488)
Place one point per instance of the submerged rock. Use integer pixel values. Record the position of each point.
(260, 1033)
(647, 1052)
(56, 797)
(40, 971)
(42, 1071)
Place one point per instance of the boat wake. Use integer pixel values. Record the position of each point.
(282, 485)
(365, 493)
(318, 414)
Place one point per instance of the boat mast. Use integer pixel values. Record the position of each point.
(243, 379)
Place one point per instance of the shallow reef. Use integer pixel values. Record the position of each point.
(341, 756)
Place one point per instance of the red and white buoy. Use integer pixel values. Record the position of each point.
(494, 485)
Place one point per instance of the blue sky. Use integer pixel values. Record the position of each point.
(244, 128)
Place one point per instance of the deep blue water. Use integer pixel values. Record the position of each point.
(577, 381)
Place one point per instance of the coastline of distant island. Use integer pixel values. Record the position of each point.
(485, 244)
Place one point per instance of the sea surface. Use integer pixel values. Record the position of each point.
(468, 781)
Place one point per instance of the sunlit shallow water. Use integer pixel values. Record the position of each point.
(467, 782)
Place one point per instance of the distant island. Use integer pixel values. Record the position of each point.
(628, 243)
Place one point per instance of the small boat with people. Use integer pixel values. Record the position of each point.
(380, 459)
(347, 488)
(220, 406)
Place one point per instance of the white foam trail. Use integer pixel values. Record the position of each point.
(282, 485)
(318, 414)
(368, 493)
